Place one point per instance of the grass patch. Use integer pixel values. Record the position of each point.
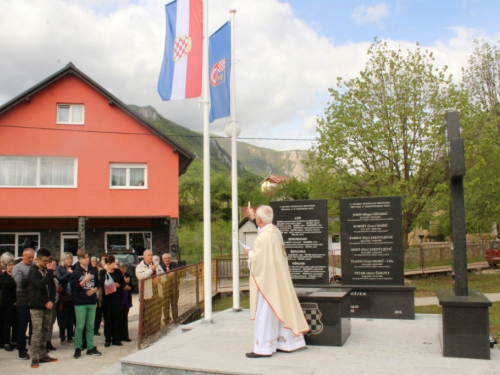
(484, 282)
(431, 309)
(439, 263)
(494, 313)
(226, 302)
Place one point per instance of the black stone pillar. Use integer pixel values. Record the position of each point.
(456, 170)
(464, 330)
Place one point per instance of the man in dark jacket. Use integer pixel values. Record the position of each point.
(20, 275)
(83, 283)
(42, 293)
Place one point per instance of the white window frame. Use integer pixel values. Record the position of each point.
(128, 166)
(127, 238)
(17, 242)
(38, 174)
(71, 107)
(67, 235)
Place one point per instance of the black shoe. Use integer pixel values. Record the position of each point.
(50, 346)
(24, 356)
(35, 363)
(255, 355)
(96, 333)
(78, 353)
(107, 344)
(47, 359)
(117, 343)
(127, 340)
(9, 348)
(93, 351)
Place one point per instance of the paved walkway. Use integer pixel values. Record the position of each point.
(427, 301)
(407, 347)
(66, 364)
(375, 347)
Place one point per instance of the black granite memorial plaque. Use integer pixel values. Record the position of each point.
(326, 312)
(304, 225)
(372, 241)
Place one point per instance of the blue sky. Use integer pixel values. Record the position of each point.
(288, 52)
(424, 21)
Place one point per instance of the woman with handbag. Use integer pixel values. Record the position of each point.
(65, 307)
(112, 282)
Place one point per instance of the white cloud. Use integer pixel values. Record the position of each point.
(283, 71)
(369, 14)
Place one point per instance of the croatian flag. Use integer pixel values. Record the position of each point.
(219, 62)
(181, 70)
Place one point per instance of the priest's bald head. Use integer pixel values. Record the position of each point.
(264, 216)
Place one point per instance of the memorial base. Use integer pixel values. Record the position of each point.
(381, 301)
(464, 330)
(326, 311)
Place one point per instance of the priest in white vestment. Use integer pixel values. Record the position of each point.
(274, 306)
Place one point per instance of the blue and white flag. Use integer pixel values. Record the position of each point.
(219, 62)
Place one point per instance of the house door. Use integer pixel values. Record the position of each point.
(69, 243)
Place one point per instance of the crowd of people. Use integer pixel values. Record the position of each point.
(35, 293)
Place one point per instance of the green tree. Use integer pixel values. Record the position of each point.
(191, 242)
(191, 194)
(481, 131)
(221, 238)
(383, 132)
(292, 190)
(249, 191)
(220, 191)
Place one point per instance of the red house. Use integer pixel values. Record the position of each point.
(78, 168)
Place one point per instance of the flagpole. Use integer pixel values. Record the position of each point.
(207, 217)
(234, 174)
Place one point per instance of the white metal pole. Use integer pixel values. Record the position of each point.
(234, 174)
(207, 227)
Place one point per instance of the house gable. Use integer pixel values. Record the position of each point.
(32, 94)
(111, 133)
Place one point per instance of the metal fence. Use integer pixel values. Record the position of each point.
(428, 257)
(225, 272)
(438, 257)
(171, 298)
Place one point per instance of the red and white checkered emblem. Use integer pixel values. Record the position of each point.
(182, 46)
(217, 73)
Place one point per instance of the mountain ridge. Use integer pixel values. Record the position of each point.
(252, 159)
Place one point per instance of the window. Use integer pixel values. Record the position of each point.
(139, 241)
(70, 114)
(69, 244)
(34, 171)
(128, 176)
(17, 242)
